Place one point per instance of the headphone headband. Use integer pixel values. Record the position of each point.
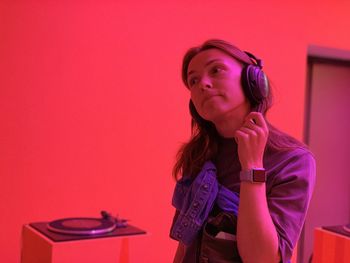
(256, 60)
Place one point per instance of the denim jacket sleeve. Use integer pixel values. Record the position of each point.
(194, 199)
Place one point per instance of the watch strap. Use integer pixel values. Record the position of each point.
(256, 175)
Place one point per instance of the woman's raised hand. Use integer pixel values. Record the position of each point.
(251, 139)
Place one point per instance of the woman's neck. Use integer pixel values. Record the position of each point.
(230, 122)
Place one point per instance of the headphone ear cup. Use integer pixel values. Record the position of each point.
(255, 84)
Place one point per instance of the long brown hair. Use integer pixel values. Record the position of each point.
(203, 143)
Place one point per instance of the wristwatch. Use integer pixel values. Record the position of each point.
(256, 175)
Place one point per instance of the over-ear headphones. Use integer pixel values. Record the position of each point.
(254, 81)
(255, 87)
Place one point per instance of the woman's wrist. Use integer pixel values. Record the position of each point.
(248, 167)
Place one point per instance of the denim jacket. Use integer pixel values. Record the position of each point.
(194, 199)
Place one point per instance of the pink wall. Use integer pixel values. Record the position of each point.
(93, 109)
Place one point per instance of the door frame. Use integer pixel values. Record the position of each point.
(317, 55)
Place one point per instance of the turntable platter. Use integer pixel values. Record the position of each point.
(81, 226)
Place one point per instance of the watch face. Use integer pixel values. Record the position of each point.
(259, 176)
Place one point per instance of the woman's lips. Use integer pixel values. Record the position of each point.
(207, 98)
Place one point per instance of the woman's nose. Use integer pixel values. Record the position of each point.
(205, 83)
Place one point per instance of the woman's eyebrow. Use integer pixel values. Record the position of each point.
(206, 64)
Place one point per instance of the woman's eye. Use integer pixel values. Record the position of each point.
(193, 81)
(217, 70)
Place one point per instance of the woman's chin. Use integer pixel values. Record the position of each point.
(213, 116)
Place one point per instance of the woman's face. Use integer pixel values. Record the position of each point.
(214, 80)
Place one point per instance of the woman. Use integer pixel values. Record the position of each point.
(243, 187)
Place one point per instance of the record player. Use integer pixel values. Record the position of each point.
(86, 226)
(76, 228)
(105, 239)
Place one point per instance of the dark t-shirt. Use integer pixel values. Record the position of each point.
(289, 186)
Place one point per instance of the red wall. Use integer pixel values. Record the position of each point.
(93, 109)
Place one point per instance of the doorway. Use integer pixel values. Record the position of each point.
(327, 131)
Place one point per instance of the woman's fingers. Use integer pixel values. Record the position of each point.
(251, 139)
(252, 126)
(249, 131)
(258, 119)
